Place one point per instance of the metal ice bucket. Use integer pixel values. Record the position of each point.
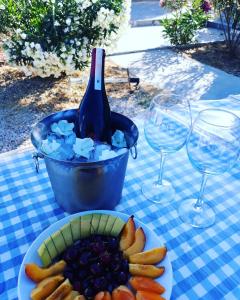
(80, 186)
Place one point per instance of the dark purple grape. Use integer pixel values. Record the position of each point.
(98, 247)
(122, 278)
(96, 268)
(115, 266)
(100, 283)
(110, 288)
(118, 256)
(69, 275)
(105, 258)
(84, 258)
(87, 283)
(77, 286)
(113, 244)
(82, 274)
(88, 292)
(124, 265)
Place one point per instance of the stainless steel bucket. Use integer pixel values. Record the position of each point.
(80, 186)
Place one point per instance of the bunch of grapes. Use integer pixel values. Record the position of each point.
(95, 264)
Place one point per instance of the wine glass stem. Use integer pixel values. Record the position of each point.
(160, 174)
(199, 202)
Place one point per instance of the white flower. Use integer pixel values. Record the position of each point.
(68, 21)
(23, 36)
(56, 23)
(2, 7)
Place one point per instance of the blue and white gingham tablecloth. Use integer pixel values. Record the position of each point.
(206, 262)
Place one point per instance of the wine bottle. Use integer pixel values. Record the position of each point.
(94, 115)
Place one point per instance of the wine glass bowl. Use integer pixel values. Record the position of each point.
(213, 147)
(166, 129)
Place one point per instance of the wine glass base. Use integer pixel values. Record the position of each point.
(197, 217)
(157, 193)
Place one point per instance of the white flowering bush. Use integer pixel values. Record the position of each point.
(55, 37)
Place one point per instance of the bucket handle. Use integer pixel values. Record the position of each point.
(35, 158)
(134, 153)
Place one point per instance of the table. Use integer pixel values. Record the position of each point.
(206, 262)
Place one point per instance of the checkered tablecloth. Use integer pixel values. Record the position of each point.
(206, 262)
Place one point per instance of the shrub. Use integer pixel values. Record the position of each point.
(181, 28)
(229, 11)
(55, 37)
(9, 11)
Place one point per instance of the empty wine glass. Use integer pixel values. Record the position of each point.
(166, 129)
(213, 148)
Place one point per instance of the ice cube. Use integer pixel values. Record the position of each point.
(62, 128)
(121, 151)
(83, 147)
(118, 139)
(107, 154)
(99, 148)
(49, 147)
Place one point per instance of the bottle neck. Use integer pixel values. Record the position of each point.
(97, 68)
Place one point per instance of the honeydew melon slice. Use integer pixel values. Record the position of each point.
(67, 234)
(117, 227)
(58, 241)
(95, 223)
(86, 221)
(75, 226)
(109, 225)
(102, 224)
(44, 255)
(51, 248)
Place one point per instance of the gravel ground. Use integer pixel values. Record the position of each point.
(24, 101)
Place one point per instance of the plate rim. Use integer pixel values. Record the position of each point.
(63, 221)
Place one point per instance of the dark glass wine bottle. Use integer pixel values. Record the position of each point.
(94, 115)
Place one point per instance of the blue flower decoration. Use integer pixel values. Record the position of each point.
(83, 147)
(118, 139)
(62, 128)
(71, 139)
(49, 147)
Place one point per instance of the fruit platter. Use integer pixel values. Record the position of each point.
(96, 255)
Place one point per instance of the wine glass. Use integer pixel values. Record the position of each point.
(213, 147)
(166, 128)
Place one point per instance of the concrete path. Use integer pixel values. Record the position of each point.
(144, 51)
(151, 37)
(166, 69)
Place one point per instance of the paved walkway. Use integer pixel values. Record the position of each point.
(168, 70)
(164, 68)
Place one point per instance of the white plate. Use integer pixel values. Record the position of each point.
(25, 285)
